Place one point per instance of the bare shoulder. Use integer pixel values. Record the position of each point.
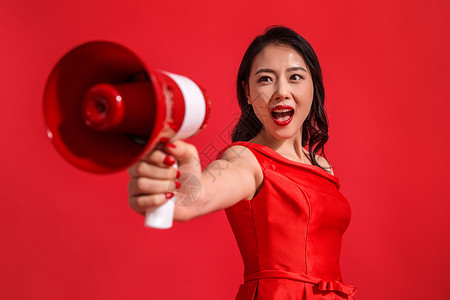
(321, 161)
(238, 153)
(241, 156)
(324, 164)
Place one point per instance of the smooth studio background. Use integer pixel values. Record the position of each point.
(67, 234)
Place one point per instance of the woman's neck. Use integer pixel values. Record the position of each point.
(290, 148)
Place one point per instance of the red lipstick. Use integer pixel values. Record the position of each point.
(282, 114)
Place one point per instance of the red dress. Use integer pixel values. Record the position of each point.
(290, 233)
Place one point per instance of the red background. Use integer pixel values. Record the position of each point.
(67, 234)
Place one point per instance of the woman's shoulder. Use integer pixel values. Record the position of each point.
(243, 158)
(324, 163)
(237, 151)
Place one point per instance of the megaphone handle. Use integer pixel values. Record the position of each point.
(161, 217)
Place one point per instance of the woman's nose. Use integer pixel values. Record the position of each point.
(282, 90)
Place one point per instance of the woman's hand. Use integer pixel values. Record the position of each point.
(154, 179)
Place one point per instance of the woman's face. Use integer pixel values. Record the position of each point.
(281, 90)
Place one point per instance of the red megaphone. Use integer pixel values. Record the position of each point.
(104, 109)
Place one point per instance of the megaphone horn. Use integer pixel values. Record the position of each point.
(104, 108)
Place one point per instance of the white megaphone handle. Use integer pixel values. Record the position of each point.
(161, 217)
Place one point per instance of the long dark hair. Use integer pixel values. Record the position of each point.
(315, 127)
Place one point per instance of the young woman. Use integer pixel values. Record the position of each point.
(280, 196)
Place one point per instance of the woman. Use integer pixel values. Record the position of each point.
(282, 201)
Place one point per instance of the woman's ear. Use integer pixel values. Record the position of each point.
(247, 93)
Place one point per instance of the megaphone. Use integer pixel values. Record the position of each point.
(105, 108)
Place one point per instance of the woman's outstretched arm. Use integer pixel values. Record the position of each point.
(233, 177)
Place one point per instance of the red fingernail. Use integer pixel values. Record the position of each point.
(178, 174)
(169, 195)
(169, 160)
(177, 184)
(171, 145)
(164, 140)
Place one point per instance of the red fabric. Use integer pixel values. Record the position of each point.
(290, 233)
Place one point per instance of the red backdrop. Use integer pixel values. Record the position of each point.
(67, 234)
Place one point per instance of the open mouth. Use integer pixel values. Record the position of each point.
(282, 115)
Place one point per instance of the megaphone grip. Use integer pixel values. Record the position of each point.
(161, 217)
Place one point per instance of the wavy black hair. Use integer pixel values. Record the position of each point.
(315, 127)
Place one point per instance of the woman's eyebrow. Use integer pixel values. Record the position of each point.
(288, 70)
(296, 69)
(264, 71)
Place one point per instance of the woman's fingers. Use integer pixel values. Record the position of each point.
(153, 179)
(144, 186)
(157, 158)
(145, 169)
(144, 202)
(184, 152)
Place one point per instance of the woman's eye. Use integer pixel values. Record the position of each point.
(296, 77)
(264, 79)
